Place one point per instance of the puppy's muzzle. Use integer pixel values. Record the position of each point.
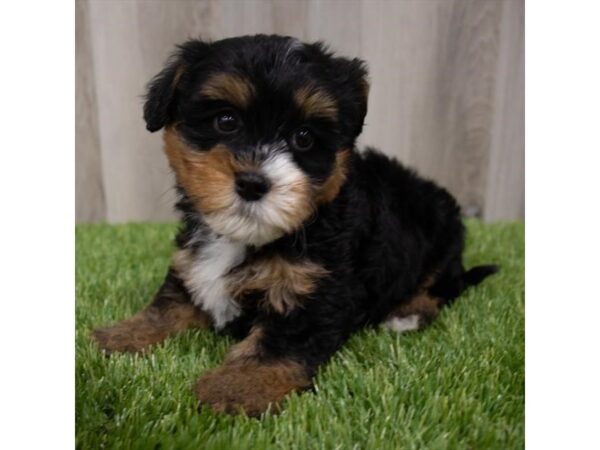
(251, 186)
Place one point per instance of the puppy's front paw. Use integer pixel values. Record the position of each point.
(115, 339)
(250, 388)
(132, 335)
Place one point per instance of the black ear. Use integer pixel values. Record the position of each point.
(352, 76)
(161, 95)
(349, 78)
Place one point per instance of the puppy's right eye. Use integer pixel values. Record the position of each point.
(226, 123)
(303, 139)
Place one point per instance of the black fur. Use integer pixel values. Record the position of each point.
(385, 234)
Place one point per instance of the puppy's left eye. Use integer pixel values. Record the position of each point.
(226, 123)
(303, 139)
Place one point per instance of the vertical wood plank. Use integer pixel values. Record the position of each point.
(290, 18)
(337, 23)
(131, 41)
(398, 44)
(505, 196)
(432, 90)
(132, 181)
(240, 18)
(89, 193)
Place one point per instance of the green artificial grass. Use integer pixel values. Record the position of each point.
(459, 384)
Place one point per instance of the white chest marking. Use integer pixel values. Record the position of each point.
(206, 281)
(401, 324)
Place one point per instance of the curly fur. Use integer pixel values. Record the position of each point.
(342, 240)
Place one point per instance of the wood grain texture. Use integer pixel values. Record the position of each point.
(506, 170)
(446, 98)
(89, 193)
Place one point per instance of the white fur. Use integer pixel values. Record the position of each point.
(295, 44)
(239, 228)
(263, 221)
(401, 324)
(284, 175)
(205, 279)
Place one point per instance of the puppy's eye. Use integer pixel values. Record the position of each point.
(227, 123)
(303, 139)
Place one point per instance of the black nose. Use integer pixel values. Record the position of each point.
(251, 186)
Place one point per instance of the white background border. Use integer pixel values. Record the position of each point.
(562, 212)
(37, 185)
(562, 232)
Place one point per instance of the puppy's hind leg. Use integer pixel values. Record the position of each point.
(424, 307)
(414, 314)
(170, 312)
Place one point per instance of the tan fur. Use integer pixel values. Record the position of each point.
(208, 176)
(316, 103)
(422, 304)
(209, 179)
(178, 74)
(329, 190)
(251, 388)
(299, 202)
(246, 349)
(150, 326)
(231, 88)
(285, 283)
(181, 262)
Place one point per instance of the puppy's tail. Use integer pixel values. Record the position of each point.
(449, 286)
(477, 274)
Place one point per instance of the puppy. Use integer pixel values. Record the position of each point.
(290, 239)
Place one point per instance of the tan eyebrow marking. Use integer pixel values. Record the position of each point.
(316, 103)
(229, 87)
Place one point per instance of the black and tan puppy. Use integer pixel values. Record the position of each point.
(291, 240)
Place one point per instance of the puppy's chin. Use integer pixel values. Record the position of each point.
(247, 229)
(257, 223)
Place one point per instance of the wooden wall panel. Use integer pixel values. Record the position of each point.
(446, 98)
(506, 171)
(89, 193)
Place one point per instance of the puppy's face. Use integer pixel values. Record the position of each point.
(258, 130)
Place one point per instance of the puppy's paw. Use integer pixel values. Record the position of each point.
(251, 388)
(150, 326)
(115, 339)
(130, 336)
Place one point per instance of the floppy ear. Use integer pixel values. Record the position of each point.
(161, 95)
(353, 77)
